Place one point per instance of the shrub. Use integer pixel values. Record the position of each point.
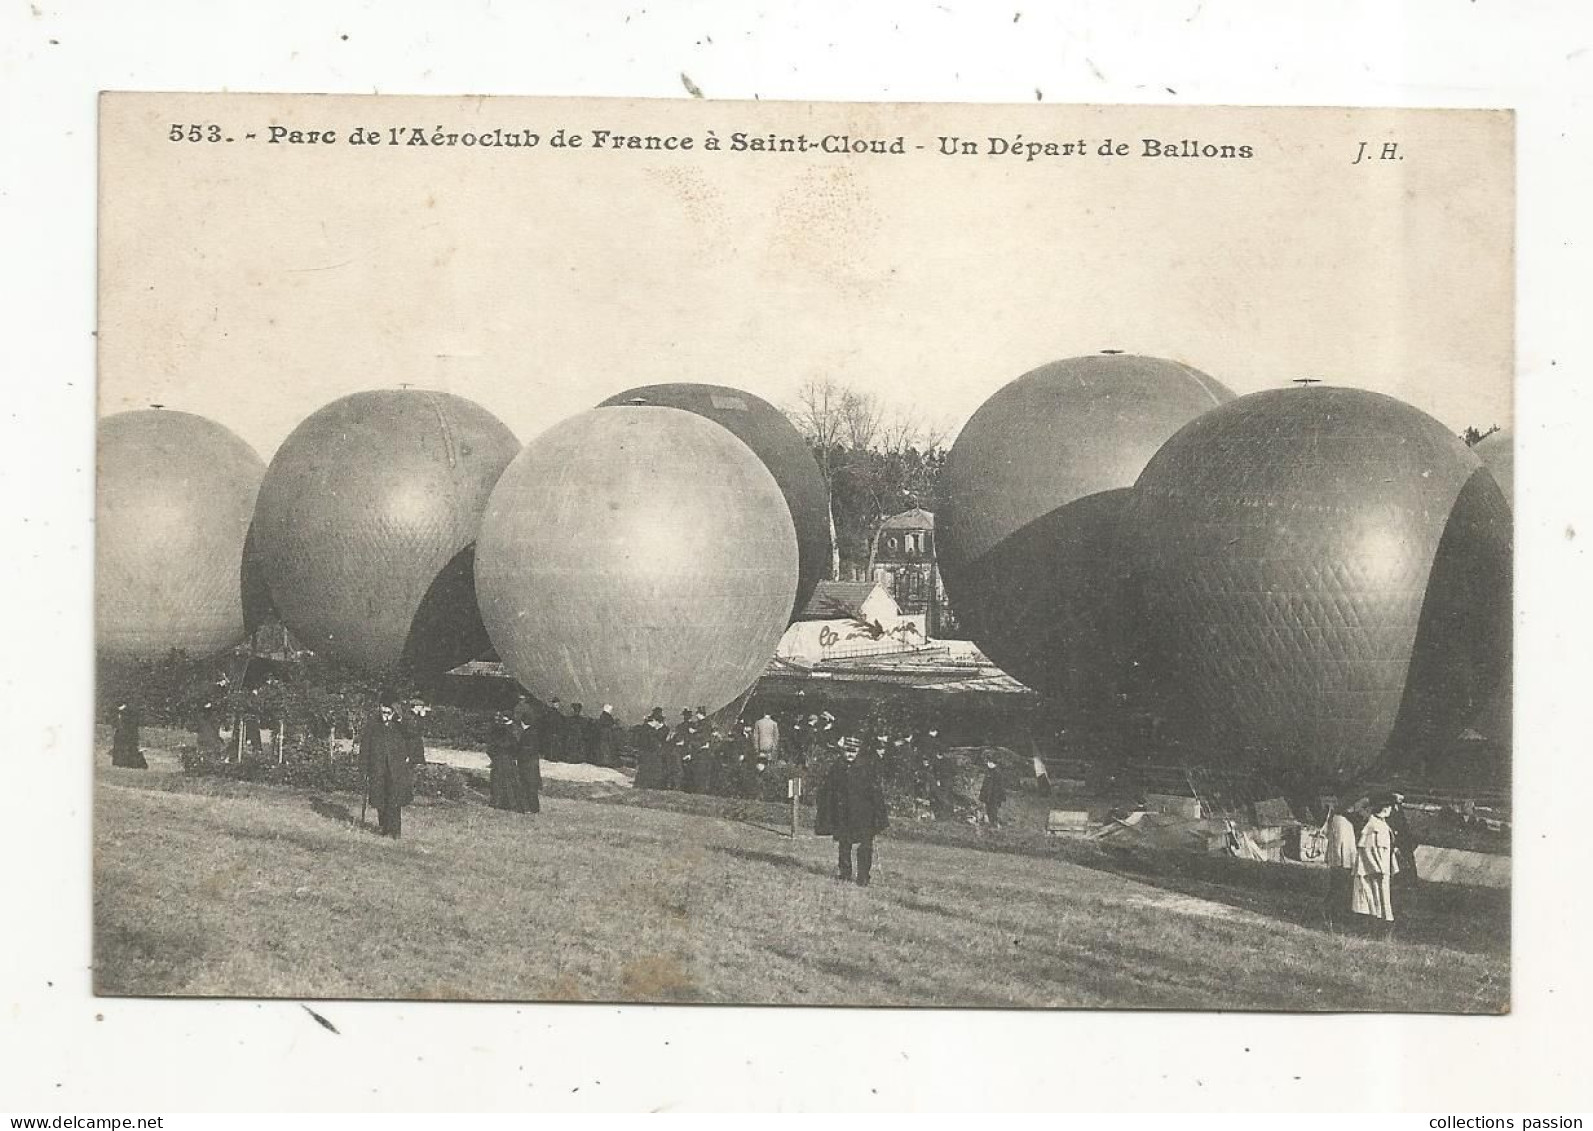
(167, 692)
(314, 764)
(458, 728)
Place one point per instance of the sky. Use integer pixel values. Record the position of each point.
(252, 282)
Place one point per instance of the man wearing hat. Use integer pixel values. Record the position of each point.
(676, 749)
(801, 729)
(650, 739)
(528, 772)
(851, 808)
(388, 747)
(740, 775)
(992, 792)
(1404, 845)
(697, 758)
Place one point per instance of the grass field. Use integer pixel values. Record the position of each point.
(205, 887)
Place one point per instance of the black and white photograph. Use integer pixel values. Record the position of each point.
(585, 550)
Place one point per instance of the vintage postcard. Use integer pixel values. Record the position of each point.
(820, 554)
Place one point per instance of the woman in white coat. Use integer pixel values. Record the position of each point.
(1375, 866)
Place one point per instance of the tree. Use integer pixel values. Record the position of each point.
(821, 415)
(1473, 436)
(876, 460)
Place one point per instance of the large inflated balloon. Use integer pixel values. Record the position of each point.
(366, 524)
(774, 440)
(1323, 579)
(1498, 455)
(1034, 488)
(637, 557)
(173, 501)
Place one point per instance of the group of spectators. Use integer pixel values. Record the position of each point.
(569, 736)
(1371, 858)
(515, 746)
(755, 759)
(695, 756)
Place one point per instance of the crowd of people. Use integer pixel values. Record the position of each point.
(751, 759)
(1369, 845)
(754, 760)
(693, 754)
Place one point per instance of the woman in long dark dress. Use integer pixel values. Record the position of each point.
(503, 776)
(124, 739)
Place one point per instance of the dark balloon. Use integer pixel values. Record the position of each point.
(366, 526)
(1498, 455)
(773, 438)
(638, 557)
(1033, 490)
(172, 506)
(1323, 579)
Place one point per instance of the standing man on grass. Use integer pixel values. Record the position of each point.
(389, 746)
(606, 738)
(528, 772)
(650, 739)
(992, 793)
(851, 808)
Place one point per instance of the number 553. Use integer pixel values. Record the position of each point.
(195, 133)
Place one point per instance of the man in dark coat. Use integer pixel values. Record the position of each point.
(606, 741)
(528, 772)
(577, 736)
(693, 769)
(675, 751)
(1404, 844)
(702, 753)
(800, 730)
(991, 794)
(124, 739)
(932, 750)
(741, 764)
(650, 737)
(389, 746)
(502, 742)
(851, 808)
(554, 732)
